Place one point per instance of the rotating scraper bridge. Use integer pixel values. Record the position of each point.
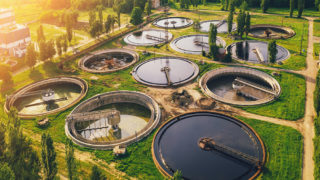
(85, 112)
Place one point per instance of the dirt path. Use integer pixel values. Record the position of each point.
(308, 124)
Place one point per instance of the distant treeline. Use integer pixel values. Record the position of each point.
(126, 5)
(273, 3)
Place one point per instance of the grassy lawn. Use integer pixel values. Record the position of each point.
(316, 50)
(316, 28)
(290, 105)
(84, 15)
(27, 12)
(284, 147)
(51, 32)
(283, 144)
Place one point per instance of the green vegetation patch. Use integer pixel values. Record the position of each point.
(290, 105)
(316, 28)
(284, 147)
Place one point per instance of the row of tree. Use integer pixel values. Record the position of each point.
(18, 159)
(265, 4)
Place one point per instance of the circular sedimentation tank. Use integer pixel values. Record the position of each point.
(240, 86)
(194, 44)
(107, 61)
(165, 71)
(112, 119)
(256, 52)
(173, 22)
(222, 26)
(208, 145)
(268, 31)
(148, 37)
(47, 96)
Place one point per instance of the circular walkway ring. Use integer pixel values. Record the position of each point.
(109, 98)
(166, 174)
(80, 82)
(82, 62)
(137, 78)
(234, 26)
(290, 32)
(244, 72)
(190, 22)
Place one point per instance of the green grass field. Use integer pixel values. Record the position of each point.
(316, 50)
(290, 105)
(316, 28)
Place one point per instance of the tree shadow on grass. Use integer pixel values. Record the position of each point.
(35, 75)
(51, 69)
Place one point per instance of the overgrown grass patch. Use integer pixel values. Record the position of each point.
(290, 105)
(284, 147)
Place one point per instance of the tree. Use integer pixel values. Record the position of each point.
(100, 13)
(3, 144)
(136, 16)
(69, 25)
(117, 9)
(71, 162)
(43, 51)
(31, 56)
(5, 74)
(264, 5)
(59, 45)
(92, 17)
(300, 7)
(272, 50)
(48, 155)
(107, 24)
(6, 172)
(23, 160)
(232, 6)
(292, 4)
(213, 40)
(244, 6)
(230, 22)
(247, 24)
(96, 174)
(40, 34)
(64, 43)
(317, 4)
(241, 20)
(96, 29)
(51, 51)
(228, 56)
(148, 7)
(196, 25)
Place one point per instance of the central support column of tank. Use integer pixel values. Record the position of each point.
(166, 70)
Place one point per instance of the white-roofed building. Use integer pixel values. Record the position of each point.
(14, 38)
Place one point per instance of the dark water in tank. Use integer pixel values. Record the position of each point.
(222, 87)
(245, 51)
(176, 147)
(180, 70)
